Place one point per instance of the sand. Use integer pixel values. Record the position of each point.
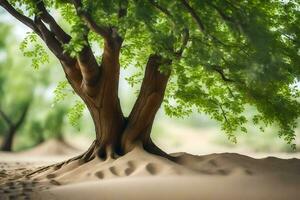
(140, 175)
(52, 147)
(176, 188)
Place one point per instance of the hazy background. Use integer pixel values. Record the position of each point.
(47, 120)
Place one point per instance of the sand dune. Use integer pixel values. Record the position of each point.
(52, 147)
(140, 175)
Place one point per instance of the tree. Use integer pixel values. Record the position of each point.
(218, 57)
(48, 127)
(12, 128)
(9, 125)
(17, 92)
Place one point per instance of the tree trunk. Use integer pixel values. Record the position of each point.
(97, 84)
(115, 134)
(13, 128)
(8, 139)
(98, 88)
(151, 95)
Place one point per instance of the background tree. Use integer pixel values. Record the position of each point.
(218, 57)
(51, 126)
(12, 118)
(13, 127)
(18, 93)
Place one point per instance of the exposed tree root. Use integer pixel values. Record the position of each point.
(103, 155)
(152, 148)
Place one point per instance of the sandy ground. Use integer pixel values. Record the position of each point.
(139, 175)
(185, 187)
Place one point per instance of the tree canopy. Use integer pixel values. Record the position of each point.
(224, 55)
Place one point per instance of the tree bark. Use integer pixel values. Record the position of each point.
(115, 134)
(98, 88)
(151, 95)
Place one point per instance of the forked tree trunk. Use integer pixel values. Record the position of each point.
(116, 134)
(13, 128)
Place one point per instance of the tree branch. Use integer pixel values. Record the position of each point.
(199, 22)
(25, 20)
(194, 15)
(185, 34)
(110, 65)
(219, 70)
(110, 59)
(39, 28)
(185, 39)
(50, 40)
(122, 12)
(154, 81)
(89, 68)
(160, 8)
(221, 13)
(165, 11)
(23, 115)
(148, 102)
(6, 118)
(224, 114)
(61, 35)
(103, 31)
(113, 41)
(225, 17)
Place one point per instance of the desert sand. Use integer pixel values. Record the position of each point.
(140, 175)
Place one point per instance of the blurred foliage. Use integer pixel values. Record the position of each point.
(20, 84)
(257, 141)
(14, 95)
